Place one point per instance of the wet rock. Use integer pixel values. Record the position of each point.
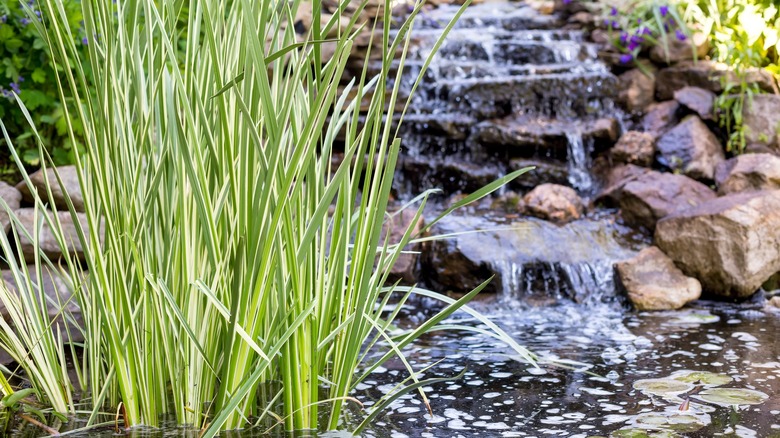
(405, 267)
(60, 306)
(730, 244)
(530, 258)
(634, 147)
(698, 100)
(690, 148)
(70, 185)
(670, 50)
(762, 121)
(452, 126)
(654, 195)
(616, 180)
(554, 202)
(451, 174)
(12, 198)
(604, 130)
(637, 89)
(544, 171)
(47, 242)
(653, 282)
(661, 117)
(510, 203)
(707, 75)
(748, 172)
(774, 304)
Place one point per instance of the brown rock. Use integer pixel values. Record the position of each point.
(405, 267)
(679, 51)
(654, 283)
(616, 179)
(661, 117)
(773, 303)
(748, 172)
(554, 202)
(762, 121)
(655, 195)
(698, 100)
(70, 181)
(637, 89)
(634, 147)
(707, 75)
(730, 244)
(690, 148)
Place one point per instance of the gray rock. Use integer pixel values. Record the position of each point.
(698, 100)
(554, 202)
(690, 148)
(654, 195)
(532, 259)
(653, 282)
(12, 198)
(707, 75)
(730, 244)
(70, 181)
(544, 172)
(47, 241)
(748, 172)
(762, 121)
(634, 147)
(61, 306)
(637, 90)
(661, 117)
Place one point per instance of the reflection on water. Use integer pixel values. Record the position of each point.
(606, 351)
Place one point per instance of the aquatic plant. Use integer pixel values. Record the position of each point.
(225, 251)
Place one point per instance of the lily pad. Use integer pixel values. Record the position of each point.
(706, 378)
(697, 318)
(640, 433)
(663, 387)
(733, 396)
(676, 423)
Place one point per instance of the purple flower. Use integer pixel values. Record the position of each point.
(646, 31)
(623, 38)
(3, 18)
(24, 21)
(636, 39)
(85, 41)
(633, 45)
(14, 86)
(613, 12)
(680, 35)
(20, 79)
(664, 10)
(625, 59)
(566, 2)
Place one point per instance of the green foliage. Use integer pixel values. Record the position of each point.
(226, 255)
(744, 34)
(28, 70)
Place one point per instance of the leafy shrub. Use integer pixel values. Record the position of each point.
(28, 71)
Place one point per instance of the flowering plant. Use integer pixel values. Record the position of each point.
(27, 71)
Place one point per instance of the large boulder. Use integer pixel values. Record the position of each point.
(531, 258)
(70, 185)
(707, 75)
(634, 147)
(46, 240)
(690, 148)
(698, 100)
(661, 117)
(731, 244)
(653, 282)
(654, 195)
(748, 172)
(762, 121)
(637, 90)
(554, 202)
(12, 198)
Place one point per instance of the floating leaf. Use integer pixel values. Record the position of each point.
(733, 396)
(663, 387)
(677, 423)
(705, 377)
(640, 433)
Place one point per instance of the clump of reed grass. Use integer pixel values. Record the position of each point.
(223, 249)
